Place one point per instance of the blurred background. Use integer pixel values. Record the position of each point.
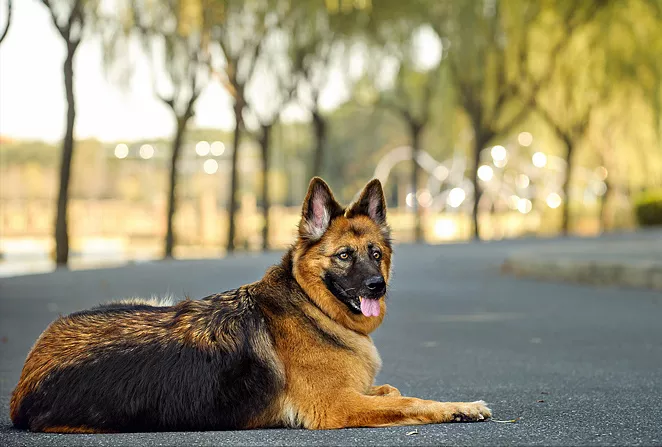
(134, 130)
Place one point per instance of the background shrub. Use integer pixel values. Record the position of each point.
(648, 208)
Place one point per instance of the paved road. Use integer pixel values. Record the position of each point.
(577, 364)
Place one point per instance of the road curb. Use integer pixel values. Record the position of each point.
(640, 274)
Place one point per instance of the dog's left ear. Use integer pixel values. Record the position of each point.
(371, 203)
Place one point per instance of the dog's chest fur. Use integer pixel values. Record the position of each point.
(316, 342)
(319, 355)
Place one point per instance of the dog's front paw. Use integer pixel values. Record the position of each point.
(470, 412)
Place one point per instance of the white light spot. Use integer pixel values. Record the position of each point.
(601, 172)
(217, 148)
(210, 166)
(146, 151)
(424, 198)
(455, 197)
(500, 163)
(121, 150)
(539, 160)
(427, 48)
(485, 173)
(554, 200)
(410, 199)
(499, 153)
(441, 172)
(523, 181)
(525, 139)
(524, 206)
(202, 148)
(513, 201)
(600, 188)
(445, 228)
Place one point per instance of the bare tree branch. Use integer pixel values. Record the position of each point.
(60, 29)
(76, 16)
(9, 11)
(255, 53)
(571, 22)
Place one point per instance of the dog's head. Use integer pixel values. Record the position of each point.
(342, 258)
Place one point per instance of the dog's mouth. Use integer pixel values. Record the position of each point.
(357, 304)
(369, 307)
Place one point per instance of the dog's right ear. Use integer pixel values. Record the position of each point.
(319, 208)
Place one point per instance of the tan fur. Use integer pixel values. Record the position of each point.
(309, 264)
(333, 388)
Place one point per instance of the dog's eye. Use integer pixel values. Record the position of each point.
(377, 255)
(344, 256)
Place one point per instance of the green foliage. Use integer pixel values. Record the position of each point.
(648, 207)
(592, 69)
(24, 152)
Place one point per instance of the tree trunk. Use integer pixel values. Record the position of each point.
(174, 158)
(319, 127)
(234, 182)
(415, 135)
(265, 142)
(61, 223)
(604, 210)
(478, 192)
(565, 222)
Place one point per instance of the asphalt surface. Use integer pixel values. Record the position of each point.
(576, 364)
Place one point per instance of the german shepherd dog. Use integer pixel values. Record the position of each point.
(290, 350)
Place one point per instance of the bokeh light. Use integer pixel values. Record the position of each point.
(455, 197)
(210, 166)
(554, 200)
(485, 173)
(513, 201)
(524, 206)
(217, 148)
(202, 148)
(599, 188)
(539, 160)
(121, 150)
(409, 200)
(525, 139)
(499, 153)
(146, 151)
(424, 198)
(523, 181)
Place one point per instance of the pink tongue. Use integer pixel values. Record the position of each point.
(370, 308)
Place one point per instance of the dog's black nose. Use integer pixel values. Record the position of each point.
(375, 283)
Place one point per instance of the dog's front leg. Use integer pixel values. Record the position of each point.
(383, 390)
(356, 410)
